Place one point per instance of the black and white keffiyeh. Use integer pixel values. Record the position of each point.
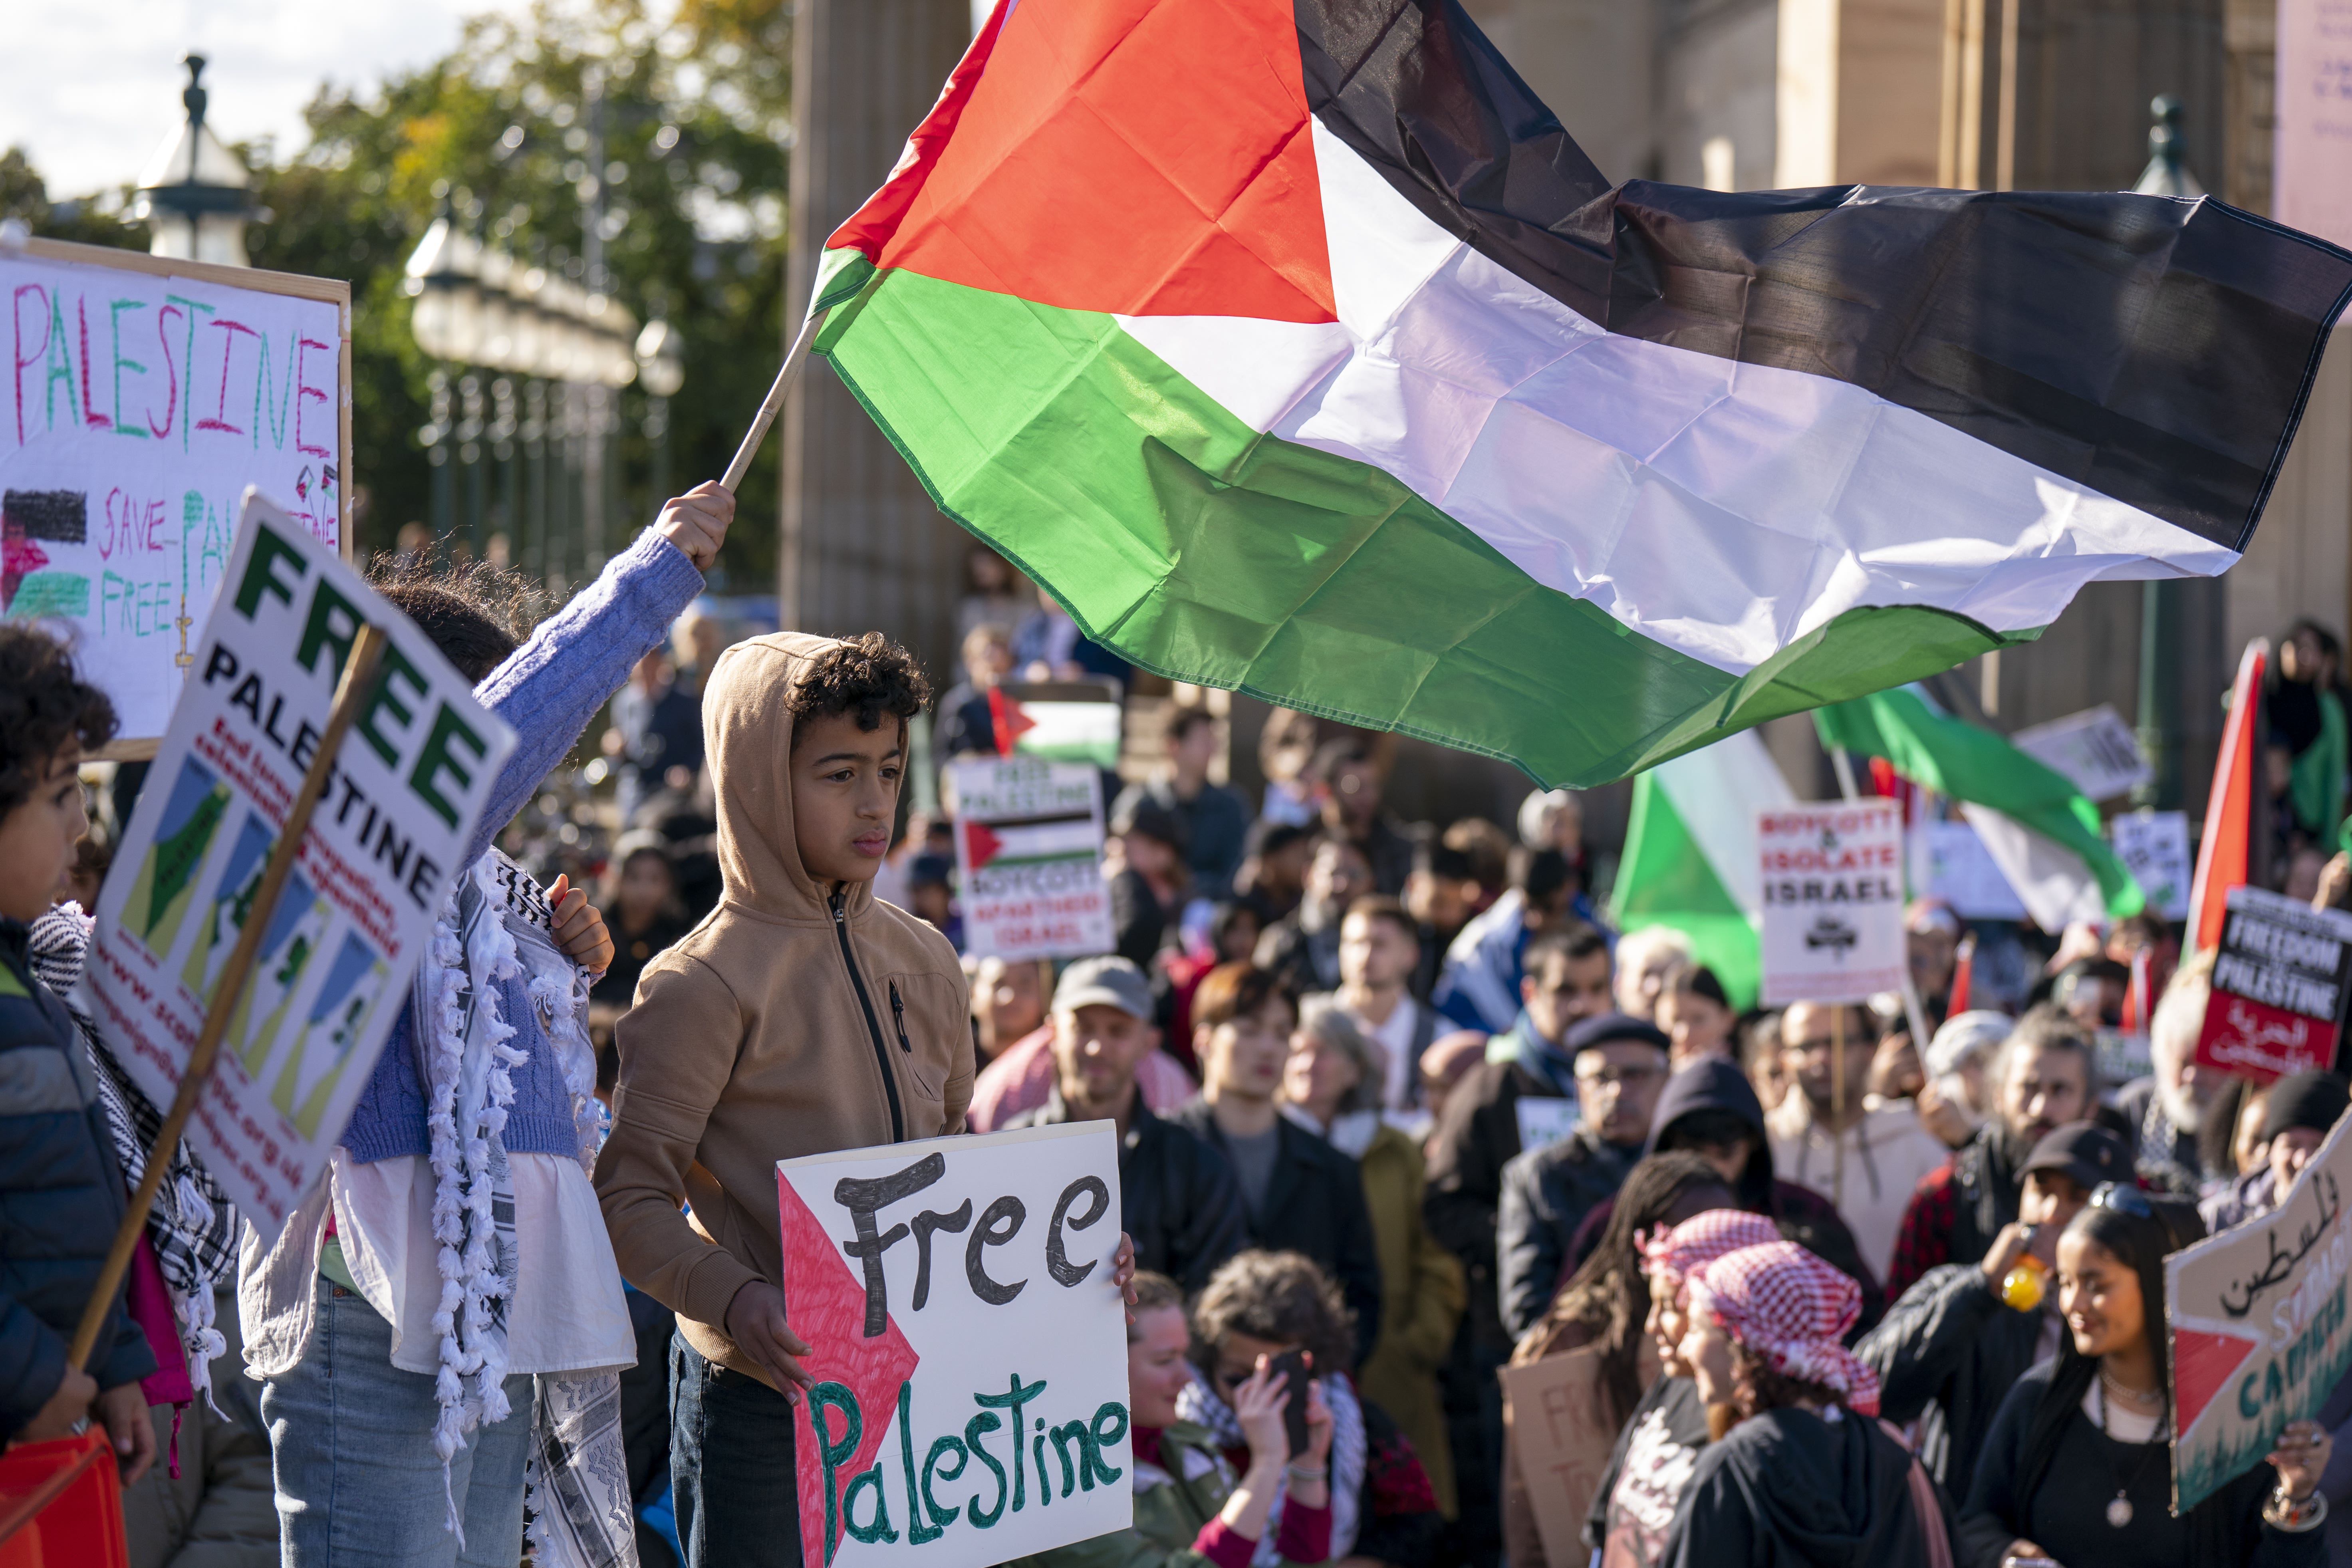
(1350, 1451)
(192, 1226)
(498, 927)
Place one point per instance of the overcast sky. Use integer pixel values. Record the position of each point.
(95, 90)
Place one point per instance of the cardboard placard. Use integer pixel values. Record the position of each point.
(2279, 984)
(1029, 843)
(2261, 1332)
(381, 854)
(146, 396)
(970, 1349)
(1548, 1405)
(1833, 901)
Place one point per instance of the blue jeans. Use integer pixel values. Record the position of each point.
(732, 1481)
(351, 1444)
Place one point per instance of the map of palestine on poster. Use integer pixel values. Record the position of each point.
(382, 851)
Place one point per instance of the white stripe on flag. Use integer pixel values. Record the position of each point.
(2051, 880)
(1717, 791)
(1076, 836)
(1722, 509)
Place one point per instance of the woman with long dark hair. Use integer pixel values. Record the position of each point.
(2076, 1468)
(1596, 1324)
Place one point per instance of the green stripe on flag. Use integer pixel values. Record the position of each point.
(1203, 550)
(1665, 878)
(1956, 758)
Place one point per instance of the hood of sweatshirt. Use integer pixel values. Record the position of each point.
(747, 734)
(1821, 1493)
(1715, 1084)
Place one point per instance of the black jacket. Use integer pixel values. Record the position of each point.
(1945, 1355)
(62, 1198)
(1314, 1205)
(2067, 1514)
(1547, 1192)
(1788, 1488)
(1476, 1137)
(1177, 1195)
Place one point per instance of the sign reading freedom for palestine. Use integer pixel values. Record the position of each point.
(1833, 901)
(2278, 987)
(971, 1349)
(386, 843)
(2260, 1334)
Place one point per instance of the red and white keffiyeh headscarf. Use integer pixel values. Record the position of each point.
(1696, 1242)
(1788, 1308)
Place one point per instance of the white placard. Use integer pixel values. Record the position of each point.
(1544, 1119)
(145, 398)
(2313, 181)
(2094, 749)
(970, 1349)
(1833, 901)
(1964, 874)
(382, 851)
(1029, 840)
(2153, 846)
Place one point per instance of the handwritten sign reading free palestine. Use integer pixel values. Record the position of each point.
(971, 1349)
(2279, 986)
(144, 395)
(383, 851)
(1833, 901)
(2261, 1334)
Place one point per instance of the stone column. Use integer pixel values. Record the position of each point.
(863, 548)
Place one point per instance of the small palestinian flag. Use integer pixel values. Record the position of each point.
(1295, 349)
(1059, 731)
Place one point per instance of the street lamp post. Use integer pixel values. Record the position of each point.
(661, 371)
(2167, 175)
(195, 196)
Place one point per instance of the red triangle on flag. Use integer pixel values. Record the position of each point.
(1010, 722)
(827, 1302)
(2202, 1366)
(980, 844)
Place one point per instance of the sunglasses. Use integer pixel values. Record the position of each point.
(2126, 1200)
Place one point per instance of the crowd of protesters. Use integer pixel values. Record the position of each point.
(1393, 1096)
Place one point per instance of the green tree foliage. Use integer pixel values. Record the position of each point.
(695, 120)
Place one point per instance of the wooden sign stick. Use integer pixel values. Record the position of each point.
(773, 403)
(350, 694)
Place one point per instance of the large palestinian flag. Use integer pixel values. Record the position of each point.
(1295, 348)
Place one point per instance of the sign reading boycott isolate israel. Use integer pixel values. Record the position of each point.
(2261, 1334)
(1029, 839)
(970, 1347)
(1833, 901)
(2279, 986)
(382, 850)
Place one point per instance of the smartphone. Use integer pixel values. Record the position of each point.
(1294, 1396)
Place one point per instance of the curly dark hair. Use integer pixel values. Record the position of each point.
(867, 675)
(1756, 1387)
(475, 613)
(1282, 1297)
(45, 707)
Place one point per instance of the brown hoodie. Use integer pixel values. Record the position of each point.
(780, 1027)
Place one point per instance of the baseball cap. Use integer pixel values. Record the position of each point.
(2307, 1100)
(1108, 982)
(2085, 1151)
(1615, 1029)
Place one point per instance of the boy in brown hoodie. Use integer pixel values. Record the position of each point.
(803, 1017)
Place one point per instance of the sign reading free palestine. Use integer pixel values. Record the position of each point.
(969, 1347)
(384, 848)
(2261, 1333)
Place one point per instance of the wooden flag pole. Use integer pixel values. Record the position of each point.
(350, 693)
(773, 403)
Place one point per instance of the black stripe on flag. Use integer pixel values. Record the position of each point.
(2154, 350)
